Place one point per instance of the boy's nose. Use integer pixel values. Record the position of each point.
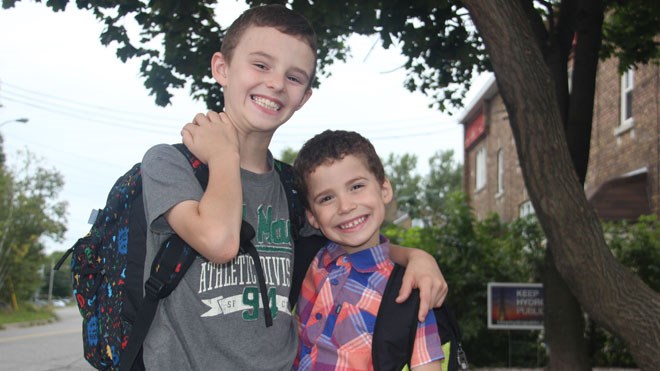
(346, 204)
(275, 82)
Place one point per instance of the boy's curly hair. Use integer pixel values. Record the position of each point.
(330, 146)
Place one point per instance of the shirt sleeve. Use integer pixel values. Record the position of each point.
(427, 346)
(167, 179)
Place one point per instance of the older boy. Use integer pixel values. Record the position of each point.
(213, 320)
(343, 186)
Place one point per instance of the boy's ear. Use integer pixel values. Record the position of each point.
(308, 94)
(219, 68)
(387, 192)
(311, 219)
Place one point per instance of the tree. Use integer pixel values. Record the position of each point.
(528, 44)
(29, 211)
(405, 181)
(444, 178)
(60, 286)
(552, 129)
(424, 197)
(288, 155)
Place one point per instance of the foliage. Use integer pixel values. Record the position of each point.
(30, 210)
(61, 278)
(174, 40)
(27, 313)
(445, 177)
(401, 171)
(637, 246)
(471, 254)
(640, 18)
(288, 155)
(424, 197)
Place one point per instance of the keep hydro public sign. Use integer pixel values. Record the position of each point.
(515, 306)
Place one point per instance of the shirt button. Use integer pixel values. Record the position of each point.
(318, 316)
(334, 281)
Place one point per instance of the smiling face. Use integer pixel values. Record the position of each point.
(347, 202)
(266, 80)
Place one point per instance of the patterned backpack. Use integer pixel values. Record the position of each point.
(107, 267)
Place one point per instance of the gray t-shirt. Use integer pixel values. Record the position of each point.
(209, 322)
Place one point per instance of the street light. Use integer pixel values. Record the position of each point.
(21, 120)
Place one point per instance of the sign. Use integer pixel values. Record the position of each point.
(515, 306)
(475, 129)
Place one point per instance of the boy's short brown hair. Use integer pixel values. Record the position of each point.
(330, 146)
(276, 16)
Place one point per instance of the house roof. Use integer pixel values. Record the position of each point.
(487, 91)
(626, 197)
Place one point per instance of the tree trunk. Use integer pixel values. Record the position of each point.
(611, 294)
(564, 322)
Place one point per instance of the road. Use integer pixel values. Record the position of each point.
(53, 346)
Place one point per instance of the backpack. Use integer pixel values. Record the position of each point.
(396, 326)
(107, 269)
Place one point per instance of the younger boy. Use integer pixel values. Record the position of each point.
(343, 186)
(214, 319)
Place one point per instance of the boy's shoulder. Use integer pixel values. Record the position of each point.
(160, 150)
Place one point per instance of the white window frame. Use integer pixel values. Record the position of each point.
(500, 171)
(526, 208)
(480, 169)
(627, 86)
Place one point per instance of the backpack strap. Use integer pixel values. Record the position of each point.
(247, 247)
(395, 327)
(296, 210)
(305, 248)
(168, 268)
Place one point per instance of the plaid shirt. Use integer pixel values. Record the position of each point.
(337, 311)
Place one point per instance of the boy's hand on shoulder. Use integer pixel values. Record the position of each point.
(210, 135)
(423, 273)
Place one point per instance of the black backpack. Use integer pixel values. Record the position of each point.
(107, 267)
(396, 325)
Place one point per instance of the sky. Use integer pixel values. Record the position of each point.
(91, 119)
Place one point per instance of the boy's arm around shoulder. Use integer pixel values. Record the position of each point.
(423, 273)
(212, 225)
(171, 189)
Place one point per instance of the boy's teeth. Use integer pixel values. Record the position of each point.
(353, 223)
(266, 103)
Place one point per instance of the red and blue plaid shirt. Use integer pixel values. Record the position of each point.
(337, 311)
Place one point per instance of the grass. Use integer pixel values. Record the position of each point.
(25, 314)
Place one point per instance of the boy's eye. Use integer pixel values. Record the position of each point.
(357, 186)
(324, 199)
(295, 79)
(260, 66)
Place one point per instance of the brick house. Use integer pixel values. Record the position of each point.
(623, 179)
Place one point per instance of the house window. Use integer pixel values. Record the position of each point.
(627, 85)
(481, 168)
(526, 208)
(500, 171)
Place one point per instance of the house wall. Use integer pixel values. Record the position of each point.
(614, 152)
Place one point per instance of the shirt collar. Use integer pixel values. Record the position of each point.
(368, 260)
